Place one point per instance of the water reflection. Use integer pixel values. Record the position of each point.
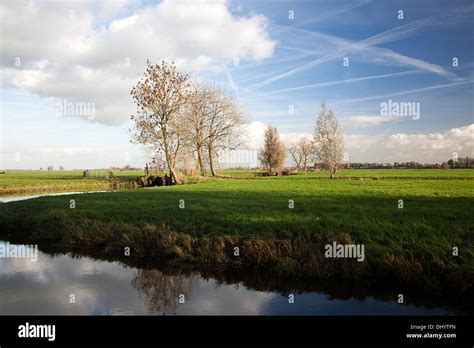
(162, 293)
(103, 287)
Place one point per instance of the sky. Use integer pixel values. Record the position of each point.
(67, 68)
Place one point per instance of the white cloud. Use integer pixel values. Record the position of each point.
(65, 51)
(430, 147)
(255, 134)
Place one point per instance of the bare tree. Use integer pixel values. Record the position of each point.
(302, 152)
(273, 154)
(328, 138)
(161, 96)
(197, 122)
(224, 125)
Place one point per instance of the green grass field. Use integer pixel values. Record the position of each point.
(260, 206)
(36, 181)
(437, 215)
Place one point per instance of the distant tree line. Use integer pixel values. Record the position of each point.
(463, 162)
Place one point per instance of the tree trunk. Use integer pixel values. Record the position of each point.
(200, 163)
(211, 162)
(173, 175)
(175, 179)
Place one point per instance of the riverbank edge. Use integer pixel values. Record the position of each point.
(40, 190)
(297, 258)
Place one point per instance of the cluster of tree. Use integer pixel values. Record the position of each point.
(178, 119)
(50, 168)
(463, 162)
(303, 152)
(126, 167)
(326, 147)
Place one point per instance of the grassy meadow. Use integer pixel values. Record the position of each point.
(252, 212)
(37, 181)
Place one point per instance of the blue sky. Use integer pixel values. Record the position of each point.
(92, 51)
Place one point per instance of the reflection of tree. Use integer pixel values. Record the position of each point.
(162, 291)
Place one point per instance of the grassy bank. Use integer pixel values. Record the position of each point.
(413, 244)
(37, 181)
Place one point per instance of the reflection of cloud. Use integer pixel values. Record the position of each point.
(203, 297)
(43, 287)
(100, 287)
(211, 298)
(109, 288)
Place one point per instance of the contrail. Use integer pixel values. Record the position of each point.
(329, 14)
(337, 82)
(404, 92)
(390, 35)
(231, 80)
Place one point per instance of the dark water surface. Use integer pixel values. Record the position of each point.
(100, 287)
(16, 198)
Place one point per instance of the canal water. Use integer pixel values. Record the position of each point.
(8, 199)
(66, 284)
